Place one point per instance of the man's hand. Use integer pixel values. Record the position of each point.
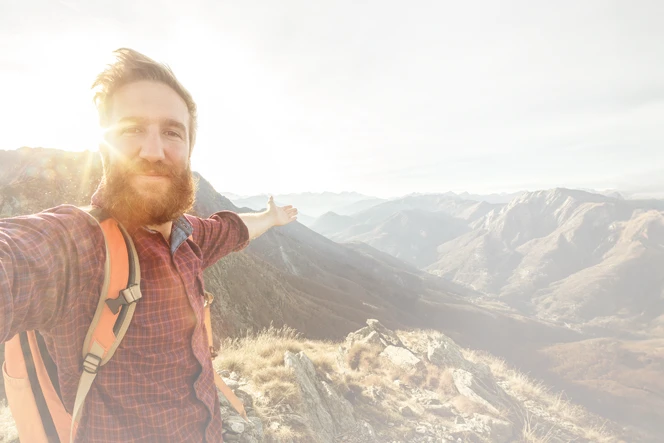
(259, 223)
(281, 215)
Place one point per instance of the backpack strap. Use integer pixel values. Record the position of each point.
(40, 401)
(115, 309)
(221, 385)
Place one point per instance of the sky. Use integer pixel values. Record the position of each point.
(381, 97)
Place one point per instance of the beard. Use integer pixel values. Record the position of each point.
(153, 203)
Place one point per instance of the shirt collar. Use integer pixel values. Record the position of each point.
(180, 232)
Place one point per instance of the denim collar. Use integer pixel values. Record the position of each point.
(180, 232)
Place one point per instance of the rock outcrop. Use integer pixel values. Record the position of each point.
(327, 413)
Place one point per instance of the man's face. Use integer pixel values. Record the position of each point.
(146, 154)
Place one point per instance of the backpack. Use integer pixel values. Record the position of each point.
(30, 375)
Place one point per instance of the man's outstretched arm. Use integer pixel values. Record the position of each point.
(259, 223)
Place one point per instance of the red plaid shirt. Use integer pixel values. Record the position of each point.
(159, 384)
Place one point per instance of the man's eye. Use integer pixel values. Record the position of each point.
(130, 130)
(173, 134)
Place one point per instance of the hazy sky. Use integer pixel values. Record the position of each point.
(380, 97)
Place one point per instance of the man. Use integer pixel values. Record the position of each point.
(159, 385)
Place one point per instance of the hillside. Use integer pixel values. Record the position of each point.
(379, 385)
(567, 256)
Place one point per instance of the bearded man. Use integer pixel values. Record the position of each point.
(159, 386)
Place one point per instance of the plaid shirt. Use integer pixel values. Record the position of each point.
(159, 385)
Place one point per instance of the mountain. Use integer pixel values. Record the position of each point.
(464, 209)
(310, 203)
(291, 275)
(500, 198)
(296, 277)
(496, 198)
(409, 228)
(331, 222)
(567, 256)
(410, 235)
(358, 206)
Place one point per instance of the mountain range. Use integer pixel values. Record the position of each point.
(534, 281)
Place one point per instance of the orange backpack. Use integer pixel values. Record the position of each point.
(30, 375)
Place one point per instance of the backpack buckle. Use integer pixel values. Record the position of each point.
(126, 297)
(91, 363)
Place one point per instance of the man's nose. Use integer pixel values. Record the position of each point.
(152, 147)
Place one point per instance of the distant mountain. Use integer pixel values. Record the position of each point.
(500, 198)
(409, 228)
(330, 223)
(310, 203)
(567, 256)
(358, 206)
(496, 198)
(443, 203)
(410, 235)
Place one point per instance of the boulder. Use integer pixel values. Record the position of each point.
(401, 357)
(479, 385)
(389, 336)
(326, 413)
(443, 352)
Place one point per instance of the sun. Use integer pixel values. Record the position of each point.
(47, 100)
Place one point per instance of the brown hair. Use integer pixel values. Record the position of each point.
(132, 66)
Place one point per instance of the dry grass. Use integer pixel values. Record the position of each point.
(466, 406)
(259, 357)
(533, 432)
(363, 357)
(558, 409)
(8, 432)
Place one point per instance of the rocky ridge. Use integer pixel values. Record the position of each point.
(383, 388)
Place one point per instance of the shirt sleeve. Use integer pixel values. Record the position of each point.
(43, 259)
(224, 232)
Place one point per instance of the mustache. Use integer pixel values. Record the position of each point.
(142, 167)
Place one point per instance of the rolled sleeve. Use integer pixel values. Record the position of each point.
(40, 257)
(219, 235)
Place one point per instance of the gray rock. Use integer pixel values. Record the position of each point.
(366, 431)
(401, 357)
(499, 431)
(246, 398)
(374, 339)
(429, 401)
(480, 386)
(406, 411)
(389, 336)
(255, 434)
(327, 413)
(234, 425)
(443, 352)
(231, 383)
(365, 335)
(440, 410)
